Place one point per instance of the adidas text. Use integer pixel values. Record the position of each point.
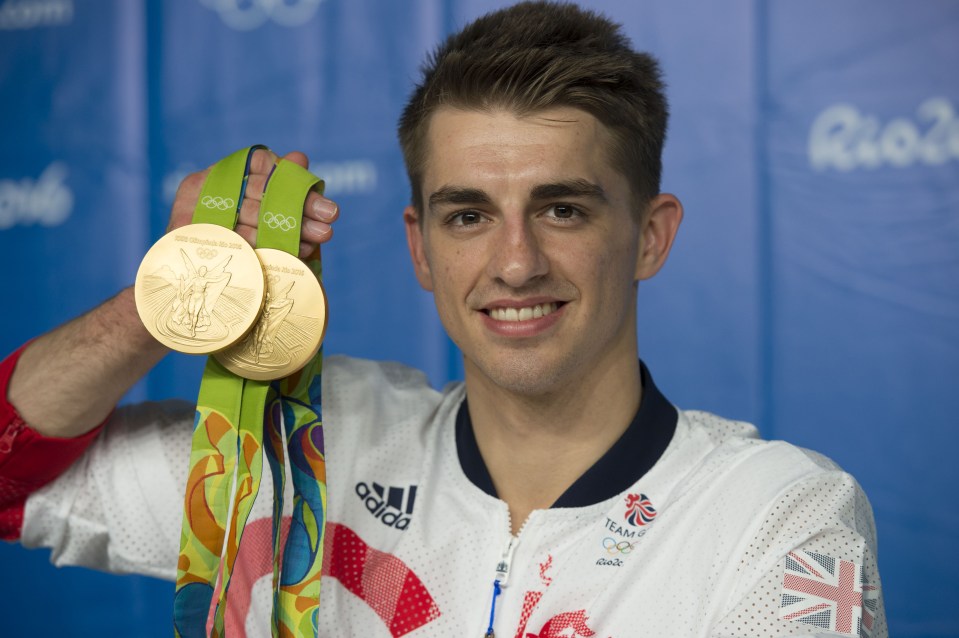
(387, 506)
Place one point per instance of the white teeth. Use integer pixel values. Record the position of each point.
(523, 314)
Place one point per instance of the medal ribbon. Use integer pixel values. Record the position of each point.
(215, 438)
(228, 437)
(223, 190)
(297, 409)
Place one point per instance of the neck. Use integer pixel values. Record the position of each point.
(536, 447)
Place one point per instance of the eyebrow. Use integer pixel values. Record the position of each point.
(459, 195)
(578, 188)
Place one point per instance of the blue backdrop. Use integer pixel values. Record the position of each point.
(814, 288)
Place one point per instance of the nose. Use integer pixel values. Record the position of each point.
(517, 257)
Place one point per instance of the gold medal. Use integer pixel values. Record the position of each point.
(291, 325)
(199, 289)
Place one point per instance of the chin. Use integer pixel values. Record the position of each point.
(525, 376)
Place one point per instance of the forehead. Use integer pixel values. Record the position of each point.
(501, 149)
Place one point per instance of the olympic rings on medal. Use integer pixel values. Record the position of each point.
(279, 221)
(206, 253)
(613, 547)
(219, 203)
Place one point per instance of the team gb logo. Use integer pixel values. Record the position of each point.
(639, 510)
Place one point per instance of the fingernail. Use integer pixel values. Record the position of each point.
(325, 209)
(317, 228)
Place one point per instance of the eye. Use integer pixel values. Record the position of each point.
(465, 218)
(564, 212)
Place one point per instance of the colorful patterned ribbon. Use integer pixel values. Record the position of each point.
(296, 584)
(226, 457)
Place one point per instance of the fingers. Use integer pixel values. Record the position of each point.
(315, 232)
(185, 200)
(306, 248)
(250, 208)
(298, 158)
(246, 232)
(318, 211)
(320, 208)
(263, 161)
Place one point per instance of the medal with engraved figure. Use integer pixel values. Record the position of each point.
(199, 289)
(291, 325)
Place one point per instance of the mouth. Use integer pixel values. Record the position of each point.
(524, 313)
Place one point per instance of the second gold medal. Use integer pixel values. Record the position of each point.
(293, 320)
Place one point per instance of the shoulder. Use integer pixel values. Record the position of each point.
(780, 495)
(378, 400)
(736, 447)
(343, 373)
(777, 488)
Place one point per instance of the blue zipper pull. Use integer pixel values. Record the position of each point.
(492, 612)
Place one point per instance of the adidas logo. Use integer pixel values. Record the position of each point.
(392, 506)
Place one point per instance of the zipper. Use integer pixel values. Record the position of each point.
(14, 428)
(502, 567)
(501, 580)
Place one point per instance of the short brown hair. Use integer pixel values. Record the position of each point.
(537, 55)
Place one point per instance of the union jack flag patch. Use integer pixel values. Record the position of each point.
(828, 593)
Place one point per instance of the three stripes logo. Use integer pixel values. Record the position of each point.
(392, 506)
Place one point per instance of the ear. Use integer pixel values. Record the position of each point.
(660, 224)
(415, 241)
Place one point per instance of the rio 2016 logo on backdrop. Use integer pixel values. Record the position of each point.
(843, 138)
(250, 14)
(33, 14)
(46, 200)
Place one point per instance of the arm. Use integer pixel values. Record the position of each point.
(28, 460)
(91, 361)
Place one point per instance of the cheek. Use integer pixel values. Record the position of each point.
(606, 268)
(448, 289)
(447, 274)
(456, 268)
(588, 260)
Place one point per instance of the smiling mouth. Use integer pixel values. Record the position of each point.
(523, 314)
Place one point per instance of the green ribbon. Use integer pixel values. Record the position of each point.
(222, 193)
(281, 210)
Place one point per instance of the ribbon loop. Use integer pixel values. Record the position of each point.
(223, 190)
(281, 211)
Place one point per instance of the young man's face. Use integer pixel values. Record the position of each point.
(531, 245)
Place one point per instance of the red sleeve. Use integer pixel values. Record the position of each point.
(28, 460)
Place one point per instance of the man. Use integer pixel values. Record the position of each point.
(556, 492)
